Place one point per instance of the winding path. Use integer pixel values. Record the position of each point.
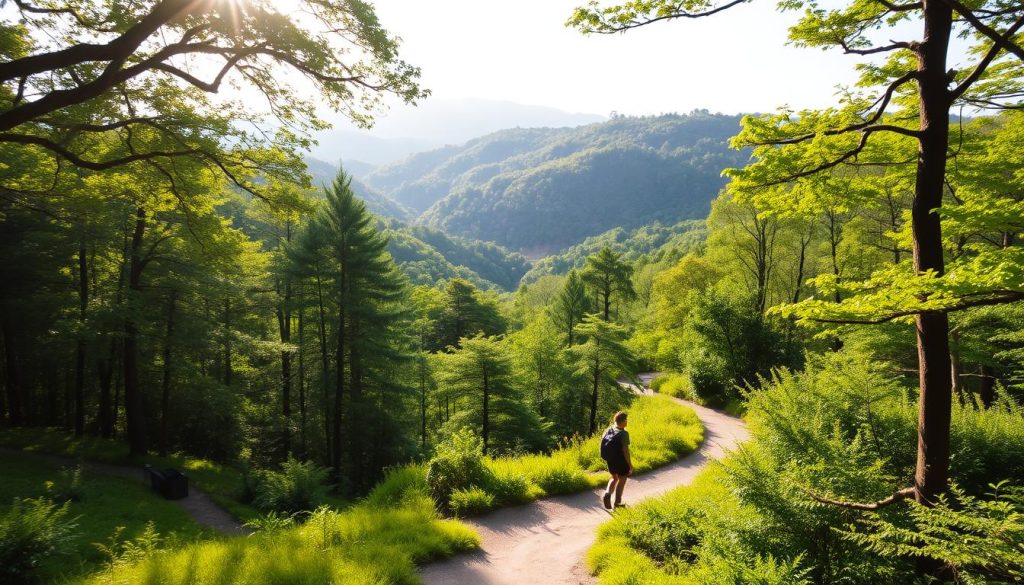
(198, 505)
(545, 542)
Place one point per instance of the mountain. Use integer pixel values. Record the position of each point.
(323, 173)
(656, 242)
(428, 256)
(435, 122)
(540, 190)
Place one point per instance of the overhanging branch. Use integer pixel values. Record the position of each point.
(903, 494)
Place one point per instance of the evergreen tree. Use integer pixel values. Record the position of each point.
(479, 376)
(610, 278)
(464, 313)
(342, 247)
(570, 306)
(600, 360)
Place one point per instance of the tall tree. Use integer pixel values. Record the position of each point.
(610, 278)
(571, 305)
(600, 360)
(364, 289)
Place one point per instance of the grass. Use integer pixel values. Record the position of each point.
(642, 544)
(105, 504)
(365, 545)
(660, 431)
(223, 483)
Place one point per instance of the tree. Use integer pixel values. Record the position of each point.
(600, 360)
(79, 73)
(465, 313)
(798, 149)
(342, 250)
(570, 306)
(610, 278)
(480, 372)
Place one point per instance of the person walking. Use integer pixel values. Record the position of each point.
(615, 452)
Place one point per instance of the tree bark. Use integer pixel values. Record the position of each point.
(227, 342)
(165, 399)
(302, 385)
(83, 304)
(134, 404)
(12, 381)
(931, 478)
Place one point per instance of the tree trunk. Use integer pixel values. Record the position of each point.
(83, 304)
(134, 404)
(12, 381)
(593, 396)
(227, 342)
(423, 402)
(165, 399)
(105, 368)
(302, 385)
(987, 391)
(324, 365)
(931, 478)
(339, 392)
(956, 371)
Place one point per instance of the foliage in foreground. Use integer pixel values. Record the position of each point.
(30, 531)
(364, 545)
(838, 430)
(465, 482)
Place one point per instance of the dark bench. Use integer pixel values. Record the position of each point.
(169, 483)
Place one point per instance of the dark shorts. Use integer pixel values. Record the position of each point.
(618, 468)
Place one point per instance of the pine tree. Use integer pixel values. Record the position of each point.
(600, 359)
(570, 306)
(610, 278)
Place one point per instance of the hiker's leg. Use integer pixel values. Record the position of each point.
(612, 484)
(618, 489)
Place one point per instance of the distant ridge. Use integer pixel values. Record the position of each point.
(540, 190)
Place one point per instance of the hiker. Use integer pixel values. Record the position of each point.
(615, 451)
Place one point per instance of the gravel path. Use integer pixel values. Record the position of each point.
(198, 505)
(545, 542)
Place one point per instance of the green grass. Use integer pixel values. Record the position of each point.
(223, 483)
(660, 431)
(677, 385)
(366, 545)
(106, 503)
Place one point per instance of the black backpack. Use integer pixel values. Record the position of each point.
(611, 444)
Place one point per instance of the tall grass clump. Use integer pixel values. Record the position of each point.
(30, 531)
(365, 545)
(844, 430)
(297, 487)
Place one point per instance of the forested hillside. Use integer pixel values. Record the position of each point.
(540, 190)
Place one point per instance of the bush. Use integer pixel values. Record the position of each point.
(298, 487)
(30, 531)
(68, 487)
(470, 502)
(457, 464)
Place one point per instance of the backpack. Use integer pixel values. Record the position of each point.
(611, 445)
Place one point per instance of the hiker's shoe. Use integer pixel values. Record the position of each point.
(620, 505)
(607, 499)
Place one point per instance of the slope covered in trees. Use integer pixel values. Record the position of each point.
(524, 188)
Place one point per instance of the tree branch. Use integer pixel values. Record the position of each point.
(979, 70)
(608, 28)
(88, 164)
(900, 7)
(986, 30)
(903, 494)
(883, 103)
(1001, 298)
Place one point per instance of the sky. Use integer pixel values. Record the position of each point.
(736, 61)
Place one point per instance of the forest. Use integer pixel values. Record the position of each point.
(355, 373)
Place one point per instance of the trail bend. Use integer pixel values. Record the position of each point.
(544, 542)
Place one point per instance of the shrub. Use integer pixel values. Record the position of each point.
(298, 487)
(30, 531)
(457, 464)
(470, 502)
(68, 486)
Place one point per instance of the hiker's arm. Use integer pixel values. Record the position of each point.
(629, 462)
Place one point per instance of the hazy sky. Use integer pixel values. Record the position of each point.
(736, 61)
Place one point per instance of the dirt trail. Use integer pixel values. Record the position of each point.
(198, 505)
(545, 542)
